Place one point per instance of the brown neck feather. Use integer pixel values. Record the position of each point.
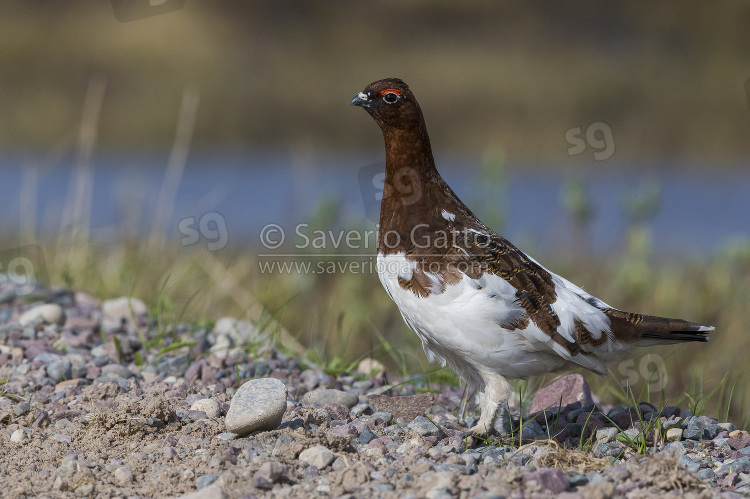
(414, 192)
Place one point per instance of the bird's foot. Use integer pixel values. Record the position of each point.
(481, 429)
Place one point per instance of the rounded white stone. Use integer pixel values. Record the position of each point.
(123, 475)
(318, 456)
(259, 404)
(48, 313)
(674, 435)
(370, 367)
(325, 396)
(124, 307)
(18, 436)
(209, 406)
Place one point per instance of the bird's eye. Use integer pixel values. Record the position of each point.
(390, 97)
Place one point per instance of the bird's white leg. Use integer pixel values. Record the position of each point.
(495, 392)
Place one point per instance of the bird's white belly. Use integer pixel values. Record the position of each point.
(460, 324)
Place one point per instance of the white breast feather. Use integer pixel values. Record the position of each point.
(461, 325)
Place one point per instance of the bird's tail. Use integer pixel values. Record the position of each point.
(647, 330)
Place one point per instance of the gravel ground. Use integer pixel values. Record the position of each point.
(96, 402)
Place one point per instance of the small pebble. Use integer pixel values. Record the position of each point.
(48, 313)
(424, 427)
(318, 456)
(329, 396)
(208, 406)
(18, 436)
(259, 404)
(606, 435)
(674, 435)
(123, 475)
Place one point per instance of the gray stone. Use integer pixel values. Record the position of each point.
(207, 479)
(123, 309)
(728, 427)
(361, 410)
(721, 443)
(674, 423)
(741, 465)
(552, 479)
(618, 473)
(21, 408)
(367, 436)
(221, 347)
(226, 436)
(468, 422)
(675, 449)
(520, 459)
(208, 406)
(694, 430)
(710, 431)
(18, 437)
(259, 404)
(532, 429)
(424, 427)
(211, 492)
(318, 456)
(262, 369)
(688, 464)
(674, 435)
(386, 417)
(60, 369)
(578, 480)
(362, 386)
(175, 366)
(62, 438)
(48, 313)
(633, 432)
(123, 475)
(117, 370)
(62, 423)
(241, 332)
(370, 367)
(329, 396)
(268, 474)
(606, 435)
(383, 488)
(261, 482)
(602, 448)
(706, 473)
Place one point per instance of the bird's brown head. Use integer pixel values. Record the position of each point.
(390, 103)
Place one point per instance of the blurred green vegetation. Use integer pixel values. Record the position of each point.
(666, 77)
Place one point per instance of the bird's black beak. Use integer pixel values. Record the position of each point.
(361, 100)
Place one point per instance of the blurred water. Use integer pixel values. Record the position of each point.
(699, 210)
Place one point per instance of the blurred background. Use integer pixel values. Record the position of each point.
(145, 150)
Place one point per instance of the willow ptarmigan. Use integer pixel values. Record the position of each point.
(477, 302)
